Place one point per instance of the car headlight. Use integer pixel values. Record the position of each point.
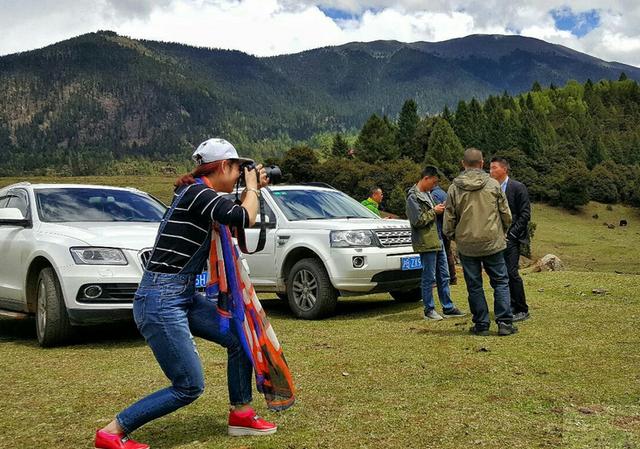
(98, 256)
(345, 239)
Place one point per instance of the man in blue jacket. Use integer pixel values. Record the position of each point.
(440, 197)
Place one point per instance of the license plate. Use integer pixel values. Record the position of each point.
(410, 263)
(201, 280)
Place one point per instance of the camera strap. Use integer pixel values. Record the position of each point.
(240, 234)
(262, 237)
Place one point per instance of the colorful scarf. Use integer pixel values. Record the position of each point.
(238, 304)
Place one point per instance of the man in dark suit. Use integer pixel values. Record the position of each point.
(518, 233)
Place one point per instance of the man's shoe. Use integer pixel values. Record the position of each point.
(453, 313)
(481, 331)
(432, 315)
(521, 316)
(506, 329)
(247, 423)
(106, 440)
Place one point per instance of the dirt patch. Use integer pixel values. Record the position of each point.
(630, 423)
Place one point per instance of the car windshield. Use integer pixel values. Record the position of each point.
(91, 204)
(319, 205)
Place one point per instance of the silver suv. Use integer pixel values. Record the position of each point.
(321, 244)
(72, 254)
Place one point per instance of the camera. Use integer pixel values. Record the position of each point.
(273, 172)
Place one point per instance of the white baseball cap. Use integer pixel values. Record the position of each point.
(216, 149)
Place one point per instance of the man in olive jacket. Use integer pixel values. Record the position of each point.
(477, 217)
(422, 211)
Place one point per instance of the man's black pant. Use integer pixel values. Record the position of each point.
(516, 286)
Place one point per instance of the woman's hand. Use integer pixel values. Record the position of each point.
(264, 181)
(251, 177)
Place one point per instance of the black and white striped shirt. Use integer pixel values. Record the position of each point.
(189, 227)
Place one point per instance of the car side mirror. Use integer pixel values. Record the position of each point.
(12, 216)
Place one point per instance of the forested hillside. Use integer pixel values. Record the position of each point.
(569, 145)
(104, 103)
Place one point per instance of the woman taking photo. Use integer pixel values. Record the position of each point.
(169, 312)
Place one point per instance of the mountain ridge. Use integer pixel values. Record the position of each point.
(127, 97)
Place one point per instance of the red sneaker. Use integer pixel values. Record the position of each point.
(106, 440)
(249, 423)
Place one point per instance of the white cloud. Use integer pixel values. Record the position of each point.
(268, 27)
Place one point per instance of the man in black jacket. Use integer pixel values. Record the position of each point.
(518, 233)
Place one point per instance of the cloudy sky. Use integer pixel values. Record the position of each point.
(608, 29)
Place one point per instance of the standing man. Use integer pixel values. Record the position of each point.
(373, 202)
(422, 211)
(440, 197)
(518, 234)
(477, 217)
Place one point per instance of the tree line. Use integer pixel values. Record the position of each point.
(569, 145)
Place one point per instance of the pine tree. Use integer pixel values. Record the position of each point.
(377, 141)
(445, 150)
(407, 124)
(340, 147)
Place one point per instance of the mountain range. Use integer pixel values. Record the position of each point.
(108, 92)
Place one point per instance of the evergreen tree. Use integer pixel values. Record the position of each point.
(407, 124)
(377, 141)
(536, 87)
(596, 153)
(444, 150)
(573, 190)
(446, 114)
(300, 164)
(340, 147)
(423, 131)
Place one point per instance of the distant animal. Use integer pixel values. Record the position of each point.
(611, 226)
(595, 216)
(623, 222)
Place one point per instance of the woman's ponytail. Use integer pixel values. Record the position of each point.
(200, 170)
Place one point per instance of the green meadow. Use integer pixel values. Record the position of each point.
(376, 375)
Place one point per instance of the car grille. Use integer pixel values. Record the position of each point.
(111, 293)
(394, 237)
(144, 255)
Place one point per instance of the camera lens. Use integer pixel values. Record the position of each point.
(273, 172)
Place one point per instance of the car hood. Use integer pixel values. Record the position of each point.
(348, 223)
(130, 235)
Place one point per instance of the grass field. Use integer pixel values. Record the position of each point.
(376, 375)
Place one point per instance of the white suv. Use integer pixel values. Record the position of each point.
(72, 253)
(321, 243)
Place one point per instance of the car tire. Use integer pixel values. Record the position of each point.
(413, 295)
(52, 321)
(309, 289)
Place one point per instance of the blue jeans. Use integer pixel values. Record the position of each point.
(168, 313)
(496, 268)
(435, 269)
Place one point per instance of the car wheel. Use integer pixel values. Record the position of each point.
(52, 321)
(413, 295)
(311, 295)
